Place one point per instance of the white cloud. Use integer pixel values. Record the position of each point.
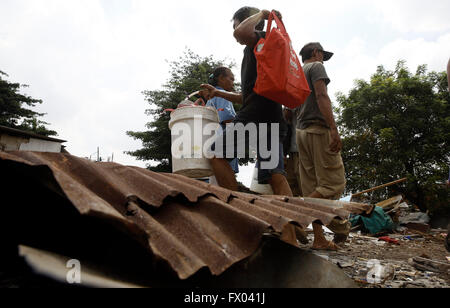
(415, 15)
(354, 61)
(417, 52)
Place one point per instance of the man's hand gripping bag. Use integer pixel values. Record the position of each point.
(280, 74)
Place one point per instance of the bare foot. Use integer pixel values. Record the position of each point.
(328, 246)
(301, 235)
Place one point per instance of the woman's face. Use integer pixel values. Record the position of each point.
(226, 81)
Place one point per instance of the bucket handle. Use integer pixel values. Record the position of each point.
(197, 101)
(192, 94)
(200, 101)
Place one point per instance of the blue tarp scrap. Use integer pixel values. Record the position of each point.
(378, 222)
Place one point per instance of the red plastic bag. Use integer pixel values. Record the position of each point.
(389, 240)
(280, 74)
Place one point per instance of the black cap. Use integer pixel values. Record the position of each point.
(309, 48)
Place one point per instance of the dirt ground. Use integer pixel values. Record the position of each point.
(376, 264)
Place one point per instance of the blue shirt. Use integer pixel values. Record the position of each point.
(227, 114)
(220, 103)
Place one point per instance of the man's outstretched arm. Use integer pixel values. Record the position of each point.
(235, 98)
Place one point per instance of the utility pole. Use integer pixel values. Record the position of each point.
(98, 154)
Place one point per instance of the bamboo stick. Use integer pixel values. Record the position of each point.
(379, 187)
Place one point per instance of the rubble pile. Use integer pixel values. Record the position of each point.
(377, 264)
(404, 253)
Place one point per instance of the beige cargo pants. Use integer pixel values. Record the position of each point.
(321, 170)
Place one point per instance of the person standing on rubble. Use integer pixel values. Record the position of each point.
(223, 80)
(321, 167)
(248, 24)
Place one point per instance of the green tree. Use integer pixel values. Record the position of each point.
(13, 111)
(398, 125)
(186, 75)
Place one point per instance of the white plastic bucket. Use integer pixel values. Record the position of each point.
(260, 188)
(191, 161)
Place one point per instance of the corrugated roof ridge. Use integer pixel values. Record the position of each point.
(221, 193)
(337, 212)
(277, 221)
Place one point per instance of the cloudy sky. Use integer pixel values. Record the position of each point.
(89, 60)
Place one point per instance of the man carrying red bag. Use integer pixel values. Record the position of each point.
(248, 26)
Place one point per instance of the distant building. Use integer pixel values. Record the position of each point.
(17, 140)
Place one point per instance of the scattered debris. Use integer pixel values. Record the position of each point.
(416, 218)
(378, 222)
(418, 227)
(391, 203)
(389, 240)
(425, 264)
(416, 221)
(345, 264)
(376, 264)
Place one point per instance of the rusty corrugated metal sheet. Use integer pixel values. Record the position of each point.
(188, 223)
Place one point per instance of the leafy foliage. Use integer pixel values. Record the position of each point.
(186, 76)
(398, 125)
(13, 113)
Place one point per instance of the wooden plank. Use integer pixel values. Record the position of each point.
(379, 187)
(392, 202)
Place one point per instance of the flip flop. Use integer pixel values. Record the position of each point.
(330, 247)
